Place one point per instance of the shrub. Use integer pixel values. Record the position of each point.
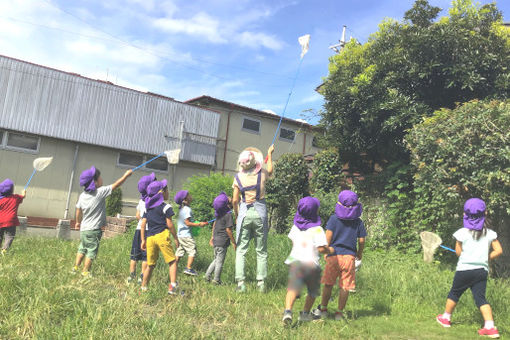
(114, 203)
(203, 189)
(288, 184)
(327, 171)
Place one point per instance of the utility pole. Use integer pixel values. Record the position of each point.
(339, 47)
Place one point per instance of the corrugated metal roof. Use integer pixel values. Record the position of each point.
(48, 102)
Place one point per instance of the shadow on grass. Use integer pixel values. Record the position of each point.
(378, 309)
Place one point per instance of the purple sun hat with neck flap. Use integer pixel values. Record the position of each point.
(474, 214)
(220, 205)
(348, 207)
(307, 214)
(155, 194)
(143, 183)
(87, 179)
(6, 187)
(180, 196)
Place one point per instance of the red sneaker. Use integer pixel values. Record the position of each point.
(443, 321)
(491, 333)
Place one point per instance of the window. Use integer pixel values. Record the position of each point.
(1, 138)
(159, 164)
(22, 142)
(130, 159)
(287, 134)
(251, 125)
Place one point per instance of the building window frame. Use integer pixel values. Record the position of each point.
(249, 130)
(5, 140)
(144, 159)
(286, 139)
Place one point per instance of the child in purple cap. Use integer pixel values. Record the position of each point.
(344, 231)
(308, 240)
(91, 215)
(9, 203)
(221, 236)
(158, 219)
(137, 253)
(473, 244)
(187, 243)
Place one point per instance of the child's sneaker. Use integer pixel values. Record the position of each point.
(130, 278)
(287, 317)
(339, 316)
(74, 270)
(190, 271)
(217, 283)
(444, 321)
(241, 288)
(143, 289)
(4, 251)
(85, 276)
(261, 287)
(172, 290)
(140, 279)
(305, 316)
(207, 278)
(491, 333)
(319, 313)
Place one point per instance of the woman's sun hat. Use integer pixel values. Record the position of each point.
(250, 160)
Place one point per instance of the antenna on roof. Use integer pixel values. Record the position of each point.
(339, 47)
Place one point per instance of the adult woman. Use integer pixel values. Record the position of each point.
(250, 208)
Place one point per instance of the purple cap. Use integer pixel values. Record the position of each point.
(6, 187)
(180, 196)
(348, 207)
(474, 214)
(87, 179)
(220, 205)
(155, 194)
(143, 183)
(307, 213)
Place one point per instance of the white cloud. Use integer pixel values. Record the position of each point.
(255, 40)
(200, 24)
(315, 97)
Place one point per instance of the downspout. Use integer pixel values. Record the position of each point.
(181, 133)
(304, 144)
(71, 180)
(226, 139)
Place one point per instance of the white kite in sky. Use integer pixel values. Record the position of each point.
(304, 41)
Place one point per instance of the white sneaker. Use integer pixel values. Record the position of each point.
(305, 316)
(319, 313)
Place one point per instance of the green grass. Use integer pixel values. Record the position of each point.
(398, 297)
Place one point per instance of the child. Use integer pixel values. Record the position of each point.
(158, 220)
(137, 254)
(9, 203)
(343, 230)
(186, 241)
(308, 240)
(221, 236)
(91, 215)
(473, 244)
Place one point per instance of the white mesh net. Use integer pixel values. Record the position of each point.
(173, 156)
(429, 243)
(42, 162)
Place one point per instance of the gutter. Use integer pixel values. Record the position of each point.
(71, 180)
(226, 140)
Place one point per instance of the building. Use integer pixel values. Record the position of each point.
(83, 122)
(241, 126)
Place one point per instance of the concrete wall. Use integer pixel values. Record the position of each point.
(238, 139)
(46, 196)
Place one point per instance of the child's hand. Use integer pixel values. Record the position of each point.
(211, 242)
(24, 193)
(234, 246)
(143, 246)
(270, 150)
(77, 225)
(202, 224)
(176, 243)
(128, 173)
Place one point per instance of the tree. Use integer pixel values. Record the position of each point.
(377, 91)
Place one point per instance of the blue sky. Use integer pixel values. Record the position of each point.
(243, 51)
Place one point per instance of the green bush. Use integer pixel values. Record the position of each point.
(203, 189)
(288, 184)
(114, 203)
(327, 171)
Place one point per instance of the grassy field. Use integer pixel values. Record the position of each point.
(398, 297)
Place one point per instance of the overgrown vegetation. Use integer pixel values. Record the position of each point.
(114, 203)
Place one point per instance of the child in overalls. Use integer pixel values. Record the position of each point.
(251, 212)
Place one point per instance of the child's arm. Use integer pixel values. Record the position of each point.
(231, 237)
(458, 248)
(23, 193)
(138, 217)
(121, 180)
(79, 216)
(194, 224)
(326, 250)
(212, 233)
(171, 227)
(330, 250)
(270, 159)
(142, 232)
(361, 246)
(497, 250)
(235, 200)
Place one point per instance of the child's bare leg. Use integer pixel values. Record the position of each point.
(172, 271)
(144, 266)
(486, 311)
(290, 298)
(132, 266)
(326, 295)
(450, 306)
(87, 264)
(342, 298)
(147, 275)
(308, 303)
(79, 258)
(190, 261)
